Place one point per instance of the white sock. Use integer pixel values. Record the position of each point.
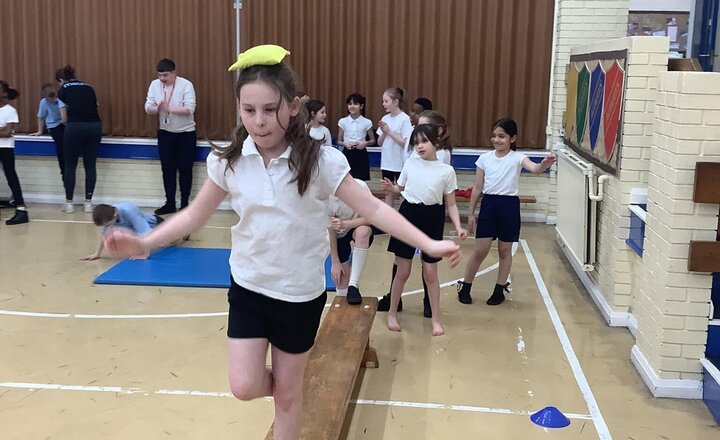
(358, 263)
(341, 292)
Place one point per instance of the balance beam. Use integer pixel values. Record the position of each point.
(341, 347)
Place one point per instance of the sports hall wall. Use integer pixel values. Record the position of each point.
(671, 121)
(133, 153)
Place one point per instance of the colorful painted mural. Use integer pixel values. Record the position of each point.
(593, 118)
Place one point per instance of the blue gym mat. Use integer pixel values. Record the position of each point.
(180, 267)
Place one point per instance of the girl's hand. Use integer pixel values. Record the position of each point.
(471, 222)
(462, 233)
(37, 133)
(386, 184)
(336, 223)
(548, 161)
(445, 248)
(121, 242)
(384, 127)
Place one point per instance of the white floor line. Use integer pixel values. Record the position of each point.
(418, 405)
(597, 418)
(196, 315)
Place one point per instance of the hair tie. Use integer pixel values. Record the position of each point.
(264, 55)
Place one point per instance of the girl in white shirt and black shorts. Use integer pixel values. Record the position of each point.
(424, 183)
(498, 176)
(279, 181)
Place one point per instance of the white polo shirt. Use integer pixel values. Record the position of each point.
(502, 174)
(426, 181)
(393, 155)
(355, 130)
(338, 208)
(280, 243)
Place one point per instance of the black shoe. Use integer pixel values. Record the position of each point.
(353, 295)
(463, 290)
(427, 310)
(19, 218)
(384, 304)
(166, 209)
(498, 295)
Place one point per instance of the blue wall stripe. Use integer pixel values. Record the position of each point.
(117, 150)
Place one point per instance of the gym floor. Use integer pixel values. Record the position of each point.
(86, 362)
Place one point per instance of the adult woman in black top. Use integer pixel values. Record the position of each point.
(83, 132)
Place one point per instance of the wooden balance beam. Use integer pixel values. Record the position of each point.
(341, 347)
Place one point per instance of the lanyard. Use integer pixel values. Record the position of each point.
(167, 98)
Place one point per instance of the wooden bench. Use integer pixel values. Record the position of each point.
(341, 347)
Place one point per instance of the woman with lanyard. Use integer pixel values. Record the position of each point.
(83, 132)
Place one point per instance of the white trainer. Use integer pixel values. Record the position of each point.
(69, 208)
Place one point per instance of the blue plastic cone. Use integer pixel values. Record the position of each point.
(550, 417)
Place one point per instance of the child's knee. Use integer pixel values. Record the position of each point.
(362, 236)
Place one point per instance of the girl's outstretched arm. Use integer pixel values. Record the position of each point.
(538, 168)
(390, 221)
(123, 243)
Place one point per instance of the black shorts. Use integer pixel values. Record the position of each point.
(499, 218)
(290, 327)
(428, 218)
(392, 175)
(343, 244)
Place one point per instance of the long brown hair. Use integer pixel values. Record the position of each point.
(305, 151)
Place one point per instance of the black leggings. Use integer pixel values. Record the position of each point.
(7, 157)
(58, 136)
(81, 139)
(177, 156)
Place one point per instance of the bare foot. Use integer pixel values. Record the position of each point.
(393, 323)
(438, 329)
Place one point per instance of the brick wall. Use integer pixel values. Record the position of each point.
(647, 57)
(672, 305)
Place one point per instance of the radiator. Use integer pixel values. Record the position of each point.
(576, 213)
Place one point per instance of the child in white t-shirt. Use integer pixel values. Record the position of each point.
(393, 131)
(317, 114)
(279, 180)
(355, 135)
(346, 226)
(8, 120)
(425, 183)
(497, 177)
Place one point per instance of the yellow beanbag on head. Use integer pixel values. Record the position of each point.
(265, 55)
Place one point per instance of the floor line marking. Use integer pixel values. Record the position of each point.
(392, 403)
(192, 315)
(597, 418)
